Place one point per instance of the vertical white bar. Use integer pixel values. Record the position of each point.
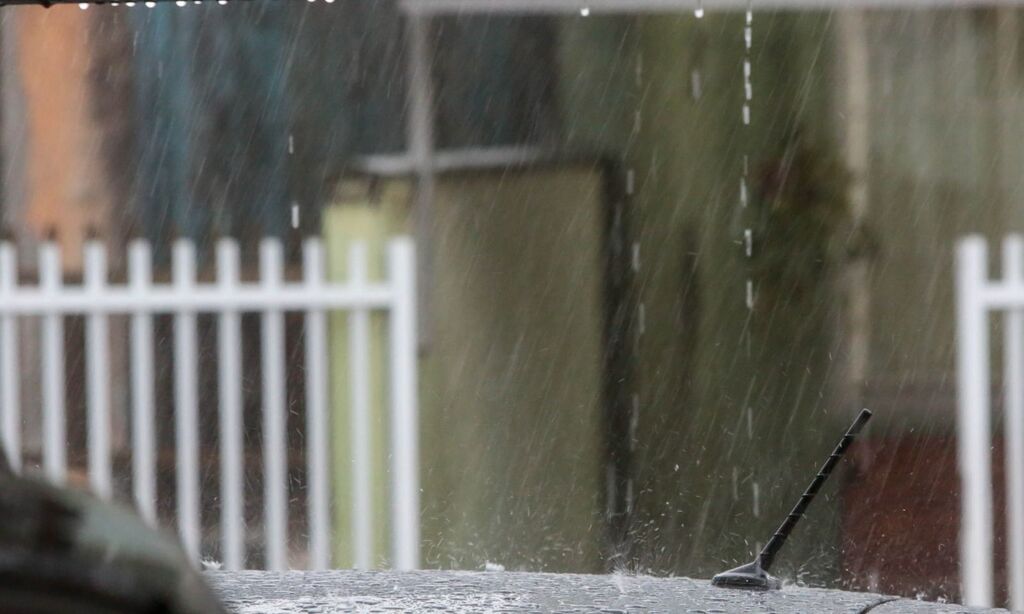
(140, 274)
(186, 401)
(232, 472)
(97, 378)
(10, 383)
(405, 504)
(973, 438)
(275, 472)
(317, 427)
(359, 427)
(54, 439)
(1013, 378)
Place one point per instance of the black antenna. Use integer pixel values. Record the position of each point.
(754, 575)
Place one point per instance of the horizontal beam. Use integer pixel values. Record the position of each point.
(198, 298)
(596, 7)
(131, 3)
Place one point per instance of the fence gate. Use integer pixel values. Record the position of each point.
(978, 297)
(50, 301)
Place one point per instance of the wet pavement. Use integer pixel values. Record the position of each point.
(441, 592)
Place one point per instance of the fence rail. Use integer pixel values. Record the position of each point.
(228, 297)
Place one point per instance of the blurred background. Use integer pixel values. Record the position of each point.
(663, 255)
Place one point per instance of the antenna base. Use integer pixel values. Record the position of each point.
(749, 576)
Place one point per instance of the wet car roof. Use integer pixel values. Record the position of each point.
(255, 592)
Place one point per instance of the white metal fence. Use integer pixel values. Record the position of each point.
(228, 297)
(978, 297)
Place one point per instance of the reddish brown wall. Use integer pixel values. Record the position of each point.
(901, 515)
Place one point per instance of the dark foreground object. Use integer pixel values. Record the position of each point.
(62, 551)
(446, 592)
(754, 575)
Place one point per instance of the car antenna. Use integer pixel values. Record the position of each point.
(754, 575)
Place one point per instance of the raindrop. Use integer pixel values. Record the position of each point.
(746, 115)
(748, 36)
(743, 191)
(641, 320)
(83, 5)
(750, 294)
(222, 2)
(748, 242)
(585, 11)
(295, 215)
(181, 3)
(756, 488)
(291, 144)
(695, 84)
(636, 256)
(150, 4)
(630, 181)
(699, 11)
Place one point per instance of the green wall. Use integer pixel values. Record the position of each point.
(733, 413)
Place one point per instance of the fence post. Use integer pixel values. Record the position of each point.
(140, 277)
(317, 427)
(275, 470)
(229, 382)
(1013, 380)
(97, 373)
(54, 429)
(360, 434)
(10, 391)
(974, 423)
(186, 401)
(405, 501)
